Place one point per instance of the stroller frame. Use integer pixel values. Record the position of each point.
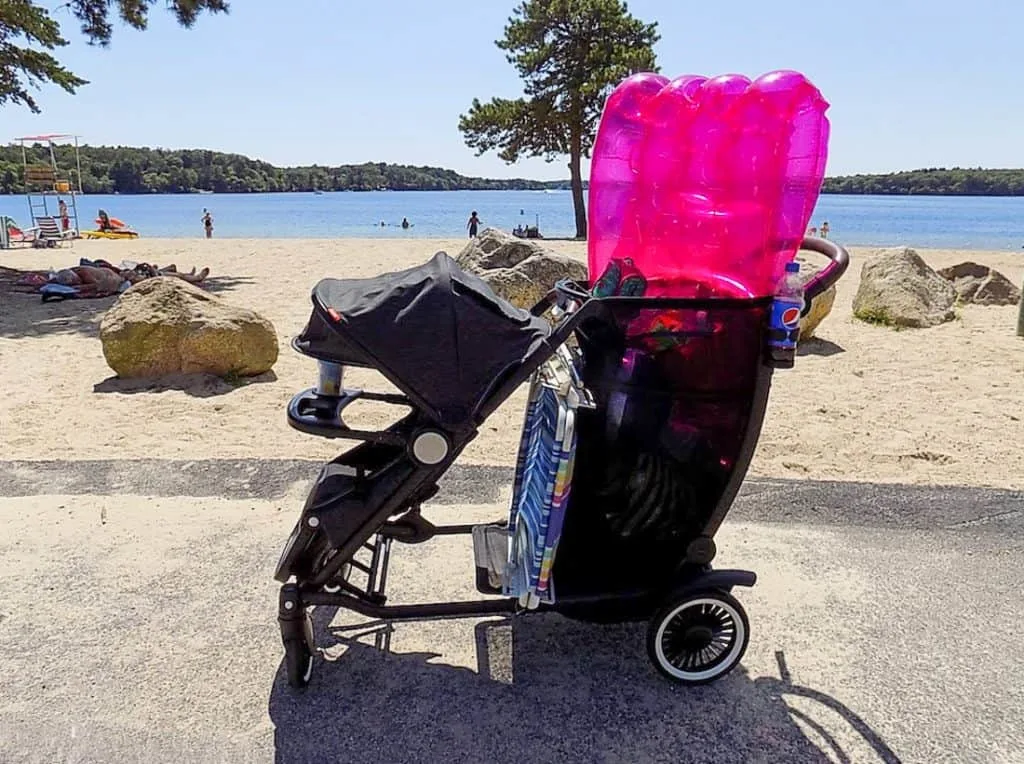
(320, 559)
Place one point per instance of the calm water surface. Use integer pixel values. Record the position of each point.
(944, 222)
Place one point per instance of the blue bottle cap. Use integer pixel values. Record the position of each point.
(793, 267)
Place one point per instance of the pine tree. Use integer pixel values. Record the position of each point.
(570, 54)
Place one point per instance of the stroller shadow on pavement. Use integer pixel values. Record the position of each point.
(581, 692)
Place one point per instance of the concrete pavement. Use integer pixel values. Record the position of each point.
(140, 626)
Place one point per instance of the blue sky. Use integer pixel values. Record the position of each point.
(912, 83)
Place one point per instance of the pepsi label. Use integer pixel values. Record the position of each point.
(785, 323)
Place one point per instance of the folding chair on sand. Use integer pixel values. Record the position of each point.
(49, 234)
(11, 234)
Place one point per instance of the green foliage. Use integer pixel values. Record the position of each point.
(933, 181)
(569, 54)
(28, 32)
(878, 316)
(124, 170)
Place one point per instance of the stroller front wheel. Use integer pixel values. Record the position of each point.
(698, 638)
(298, 657)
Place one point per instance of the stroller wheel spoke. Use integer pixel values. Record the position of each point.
(698, 639)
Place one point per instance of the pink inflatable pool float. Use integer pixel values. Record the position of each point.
(706, 184)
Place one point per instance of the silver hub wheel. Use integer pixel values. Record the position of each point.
(700, 639)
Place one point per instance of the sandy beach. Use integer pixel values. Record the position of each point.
(929, 406)
(865, 402)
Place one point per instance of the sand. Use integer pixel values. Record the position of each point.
(866, 403)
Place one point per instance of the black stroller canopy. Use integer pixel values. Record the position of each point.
(438, 333)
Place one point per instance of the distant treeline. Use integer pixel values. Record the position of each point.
(935, 181)
(125, 170)
(108, 170)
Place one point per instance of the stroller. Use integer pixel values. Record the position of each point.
(642, 417)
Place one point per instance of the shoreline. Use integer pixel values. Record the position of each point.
(523, 189)
(939, 406)
(177, 241)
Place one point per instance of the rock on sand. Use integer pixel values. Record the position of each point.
(520, 270)
(897, 288)
(981, 285)
(165, 326)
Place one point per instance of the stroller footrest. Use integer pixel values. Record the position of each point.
(490, 553)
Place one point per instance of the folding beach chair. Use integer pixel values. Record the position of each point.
(11, 234)
(49, 234)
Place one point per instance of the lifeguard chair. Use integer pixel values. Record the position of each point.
(46, 182)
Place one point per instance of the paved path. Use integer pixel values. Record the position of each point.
(140, 626)
(808, 501)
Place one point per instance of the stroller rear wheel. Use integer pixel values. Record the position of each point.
(298, 656)
(699, 637)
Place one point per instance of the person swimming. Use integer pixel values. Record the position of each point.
(405, 223)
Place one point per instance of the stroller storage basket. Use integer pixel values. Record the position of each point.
(680, 390)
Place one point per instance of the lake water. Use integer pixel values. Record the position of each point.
(944, 222)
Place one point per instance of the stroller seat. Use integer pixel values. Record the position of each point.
(439, 334)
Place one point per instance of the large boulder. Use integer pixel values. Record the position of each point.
(897, 288)
(520, 270)
(981, 285)
(166, 326)
(821, 305)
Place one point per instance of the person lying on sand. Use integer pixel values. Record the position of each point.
(149, 270)
(135, 275)
(91, 281)
(191, 278)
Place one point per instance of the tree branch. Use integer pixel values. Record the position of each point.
(24, 66)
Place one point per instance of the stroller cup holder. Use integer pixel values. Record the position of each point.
(323, 415)
(641, 419)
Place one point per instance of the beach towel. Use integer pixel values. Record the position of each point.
(51, 292)
(54, 291)
(33, 280)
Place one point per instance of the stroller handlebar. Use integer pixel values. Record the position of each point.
(568, 291)
(826, 278)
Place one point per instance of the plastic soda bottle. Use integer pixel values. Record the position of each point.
(784, 326)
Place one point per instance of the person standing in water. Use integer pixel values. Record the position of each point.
(208, 223)
(824, 230)
(473, 224)
(405, 223)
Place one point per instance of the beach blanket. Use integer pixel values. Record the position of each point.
(51, 292)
